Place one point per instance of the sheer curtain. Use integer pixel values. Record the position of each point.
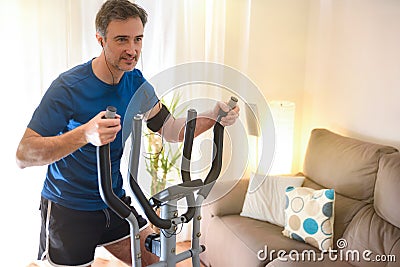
(183, 31)
(40, 39)
(180, 31)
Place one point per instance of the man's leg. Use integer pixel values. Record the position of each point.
(122, 249)
(68, 237)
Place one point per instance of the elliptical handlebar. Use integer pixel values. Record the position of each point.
(188, 144)
(215, 169)
(133, 171)
(148, 209)
(217, 150)
(105, 176)
(186, 158)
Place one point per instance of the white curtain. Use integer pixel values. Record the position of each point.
(40, 39)
(182, 31)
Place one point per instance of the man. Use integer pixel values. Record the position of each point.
(67, 126)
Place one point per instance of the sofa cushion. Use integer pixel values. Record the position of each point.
(230, 203)
(227, 196)
(369, 233)
(324, 260)
(267, 202)
(246, 237)
(387, 189)
(345, 164)
(309, 216)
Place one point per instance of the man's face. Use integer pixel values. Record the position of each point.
(123, 44)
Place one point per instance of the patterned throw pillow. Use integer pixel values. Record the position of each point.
(309, 216)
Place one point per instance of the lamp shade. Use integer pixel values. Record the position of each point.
(253, 127)
(283, 114)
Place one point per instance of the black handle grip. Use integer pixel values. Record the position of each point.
(105, 182)
(132, 176)
(188, 144)
(148, 209)
(105, 177)
(232, 104)
(216, 166)
(186, 158)
(217, 161)
(111, 112)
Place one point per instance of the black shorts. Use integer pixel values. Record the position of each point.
(69, 237)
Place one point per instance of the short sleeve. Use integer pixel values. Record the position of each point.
(54, 111)
(143, 100)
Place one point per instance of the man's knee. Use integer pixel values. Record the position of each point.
(122, 249)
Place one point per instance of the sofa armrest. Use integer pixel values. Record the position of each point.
(227, 197)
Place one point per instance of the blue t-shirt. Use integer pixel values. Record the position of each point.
(74, 98)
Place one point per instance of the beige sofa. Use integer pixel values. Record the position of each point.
(366, 179)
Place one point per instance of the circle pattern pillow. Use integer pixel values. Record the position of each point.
(309, 216)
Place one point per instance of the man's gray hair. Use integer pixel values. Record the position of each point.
(118, 10)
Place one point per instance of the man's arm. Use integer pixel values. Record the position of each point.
(174, 128)
(36, 150)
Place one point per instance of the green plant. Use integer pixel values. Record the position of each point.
(162, 159)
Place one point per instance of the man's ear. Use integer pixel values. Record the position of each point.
(99, 39)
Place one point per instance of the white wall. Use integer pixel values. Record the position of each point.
(337, 60)
(352, 78)
(273, 56)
